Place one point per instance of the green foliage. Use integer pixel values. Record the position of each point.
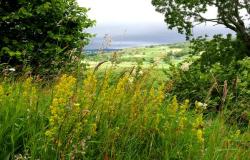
(184, 14)
(219, 49)
(216, 75)
(220, 87)
(43, 35)
(99, 118)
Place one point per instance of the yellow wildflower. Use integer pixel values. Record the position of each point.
(89, 88)
(200, 137)
(1, 92)
(105, 84)
(182, 121)
(118, 92)
(63, 93)
(161, 94)
(182, 116)
(27, 87)
(174, 106)
(199, 107)
(198, 122)
(134, 101)
(120, 88)
(184, 107)
(237, 134)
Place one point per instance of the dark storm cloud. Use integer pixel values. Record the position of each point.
(124, 36)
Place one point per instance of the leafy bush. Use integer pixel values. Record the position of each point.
(221, 87)
(217, 75)
(42, 35)
(219, 49)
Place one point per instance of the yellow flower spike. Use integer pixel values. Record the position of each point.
(26, 87)
(64, 90)
(48, 133)
(182, 114)
(89, 88)
(105, 84)
(198, 122)
(119, 93)
(78, 128)
(186, 104)
(1, 92)
(161, 91)
(200, 137)
(120, 88)
(134, 101)
(237, 134)
(159, 95)
(55, 102)
(174, 106)
(54, 110)
(152, 92)
(52, 120)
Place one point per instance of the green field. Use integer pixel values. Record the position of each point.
(158, 56)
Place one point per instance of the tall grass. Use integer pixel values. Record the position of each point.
(128, 117)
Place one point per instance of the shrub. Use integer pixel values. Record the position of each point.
(44, 36)
(216, 75)
(221, 87)
(220, 49)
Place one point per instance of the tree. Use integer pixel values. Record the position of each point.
(185, 14)
(44, 35)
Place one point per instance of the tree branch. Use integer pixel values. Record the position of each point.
(247, 5)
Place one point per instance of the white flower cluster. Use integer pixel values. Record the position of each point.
(185, 66)
(203, 105)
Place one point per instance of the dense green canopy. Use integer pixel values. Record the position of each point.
(41, 34)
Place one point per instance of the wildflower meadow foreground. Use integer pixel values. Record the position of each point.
(94, 116)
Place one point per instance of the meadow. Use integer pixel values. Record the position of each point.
(146, 56)
(183, 101)
(118, 110)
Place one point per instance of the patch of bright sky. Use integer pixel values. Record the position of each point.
(122, 11)
(133, 23)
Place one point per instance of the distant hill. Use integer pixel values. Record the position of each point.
(95, 51)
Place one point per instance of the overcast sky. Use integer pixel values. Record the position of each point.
(132, 23)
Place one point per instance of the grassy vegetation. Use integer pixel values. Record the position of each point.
(97, 115)
(145, 56)
(119, 110)
(147, 103)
